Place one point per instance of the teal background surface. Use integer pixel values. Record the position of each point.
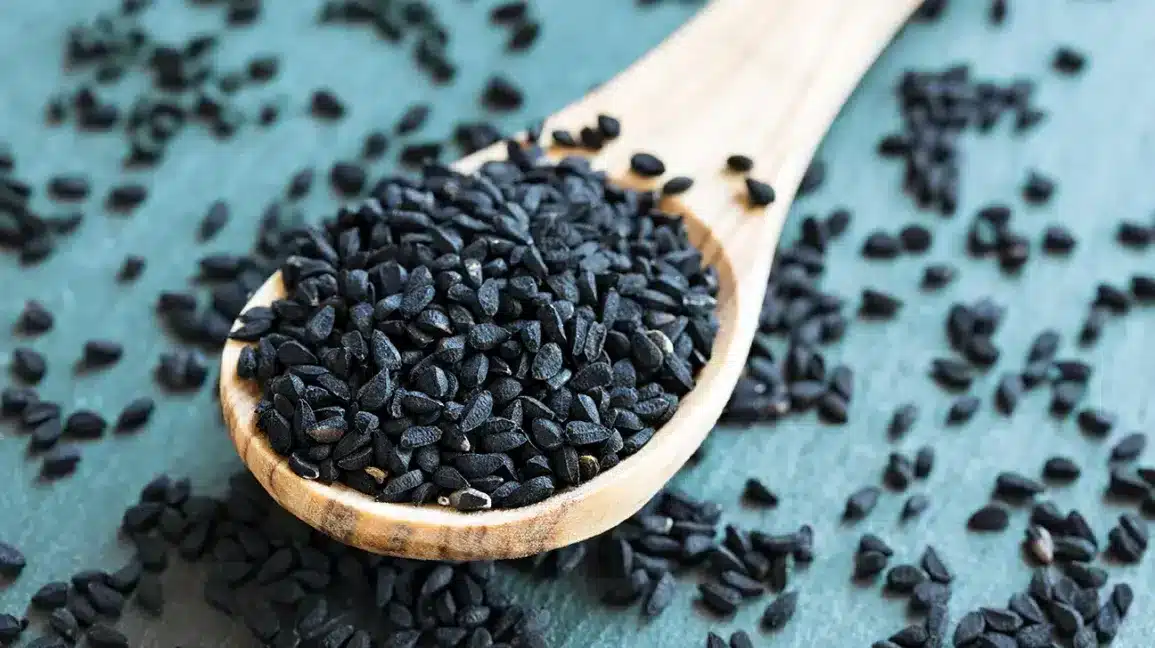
(1097, 142)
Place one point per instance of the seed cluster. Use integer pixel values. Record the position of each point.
(481, 340)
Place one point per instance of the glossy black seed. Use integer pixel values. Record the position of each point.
(326, 105)
(914, 506)
(739, 163)
(759, 193)
(758, 493)
(213, 221)
(502, 94)
(861, 503)
(878, 304)
(1129, 447)
(101, 353)
(126, 197)
(929, 594)
(1127, 484)
(881, 245)
(677, 185)
(970, 627)
(962, 410)
(779, 612)
(1068, 60)
(1038, 188)
(915, 238)
(992, 517)
(1058, 240)
(347, 178)
(34, 319)
(1015, 486)
(28, 365)
(101, 635)
(902, 420)
(720, 598)
(937, 275)
(12, 561)
(59, 462)
(903, 578)
(1094, 421)
(646, 165)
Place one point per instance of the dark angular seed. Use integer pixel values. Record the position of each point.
(759, 194)
(1013, 485)
(720, 598)
(1069, 61)
(881, 245)
(326, 105)
(923, 462)
(904, 578)
(647, 165)
(12, 561)
(1129, 447)
(878, 304)
(780, 611)
(937, 275)
(347, 178)
(861, 503)
(914, 506)
(935, 567)
(1038, 188)
(902, 420)
(915, 238)
(992, 517)
(1097, 422)
(660, 596)
(28, 365)
(101, 353)
(970, 627)
(1061, 469)
(739, 163)
(1058, 240)
(677, 185)
(501, 93)
(758, 493)
(962, 410)
(126, 197)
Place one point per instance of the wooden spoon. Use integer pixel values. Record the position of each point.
(759, 77)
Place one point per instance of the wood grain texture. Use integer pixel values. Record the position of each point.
(759, 77)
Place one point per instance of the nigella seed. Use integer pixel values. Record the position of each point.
(937, 275)
(739, 163)
(992, 517)
(758, 193)
(881, 245)
(34, 319)
(1069, 61)
(326, 105)
(902, 420)
(646, 165)
(677, 185)
(1058, 240)
(780, 611)
(1061, 469)
(502, 94)
(758, 493)
(1015, 486)
(28, 365)
(347, 178)
(101, 353)
(126, 197)
(861, 503)
(914, 506)
(1038, 188)
(213, 221)
(878, 304)
(12, 561)
(1129, 447)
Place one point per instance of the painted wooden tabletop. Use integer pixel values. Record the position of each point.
(1099, 143)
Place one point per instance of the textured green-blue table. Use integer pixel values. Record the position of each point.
(1098, 142)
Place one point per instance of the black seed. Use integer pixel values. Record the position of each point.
(1129, 447)
(759, 193)
(213, 221)
(970, 627)
(646, 165)
(126, 197)
(59, 462)
(1058, 240)
(101, 353)
(677, 185)
(1038, 188)
(1069, 61)
(34, 319)
(1097, 422)
(904, 578)
(861, 503)
(348, 178)
(758, 493)
(881, 245)
(914, 506)
(780, 611)
(1013, 485)
(902, 420)
(1061, 469)
(12, 561)
(720, 598)
(326, 104)
(992, 517)
(915, 238)
(501, 93)
(660, 596)
(28, 365)
(878, 304)
(962, 410)
(813, 178)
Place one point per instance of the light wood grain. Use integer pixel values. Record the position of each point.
(759, 77)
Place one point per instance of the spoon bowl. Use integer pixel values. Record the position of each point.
(759, 77)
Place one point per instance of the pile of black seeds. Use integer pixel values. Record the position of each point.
(480, 340)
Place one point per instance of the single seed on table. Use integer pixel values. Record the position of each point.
(779, 612)
(1058, 240)
(868, 564)
(502, 94)
(902, 420)
(758, 493)
(923, 462)
(126, 197)
(326, 105)
(34, 319)
(1038, 188)
(12, 561)
(69, 187)
(996, 14)
(914, 506)
(523, 35)
(1012, 485)
(1129, 447)
(861, 503)
(610, 127)
(374, 146)
(1061, 469)
(348, 178)
(739, 639)
(915, 238)
(993, 517)
(28, 365)
(101, 353)
(213, 221)
(1068, 60)
(962, 410)
(878, 304)
(881, 245)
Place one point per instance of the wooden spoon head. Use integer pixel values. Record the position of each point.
(443, 533)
